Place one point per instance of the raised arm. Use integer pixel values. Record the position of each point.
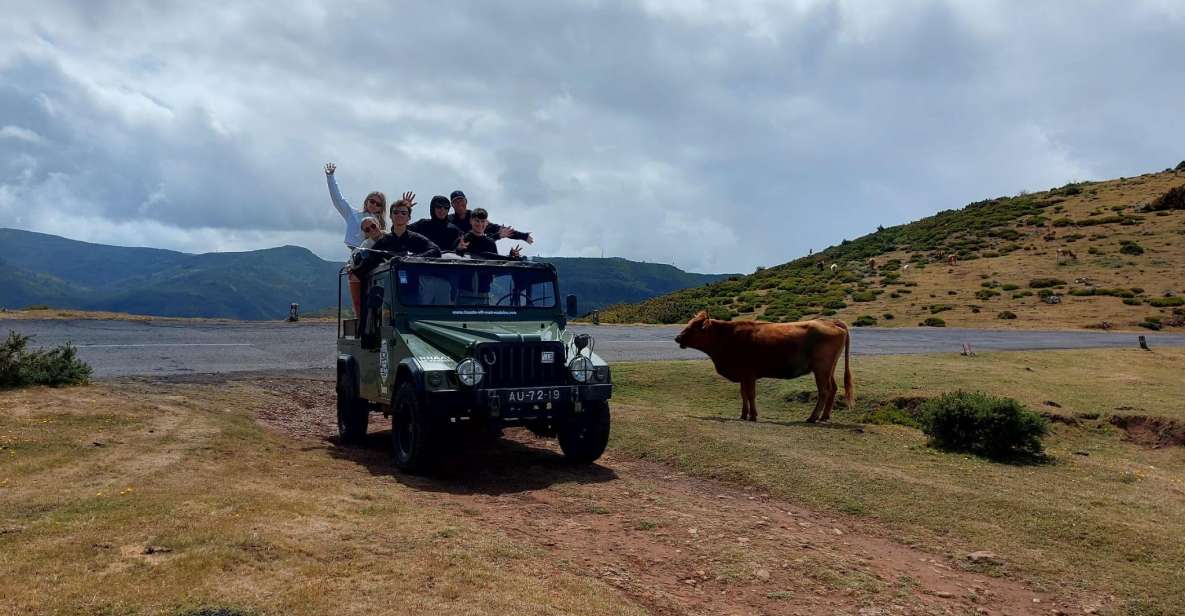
(335, 195)
(503, 232)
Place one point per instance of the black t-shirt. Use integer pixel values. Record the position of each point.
(442, 232)
(409, 244)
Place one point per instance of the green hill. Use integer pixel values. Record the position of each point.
(40, 269)
(1126, 236)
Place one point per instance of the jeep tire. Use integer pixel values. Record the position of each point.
(583, 436)
(413, 434)
(353, 413)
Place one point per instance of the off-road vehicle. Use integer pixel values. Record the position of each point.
(448, 346)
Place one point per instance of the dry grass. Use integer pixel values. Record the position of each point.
(250, 521)
(1111, 521)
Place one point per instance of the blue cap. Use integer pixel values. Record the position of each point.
(456, 194)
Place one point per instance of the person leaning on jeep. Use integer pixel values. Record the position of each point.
(461, 218)
(479, 243)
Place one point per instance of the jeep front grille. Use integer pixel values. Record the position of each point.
(520, 364)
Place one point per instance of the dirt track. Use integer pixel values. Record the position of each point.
(673, 543)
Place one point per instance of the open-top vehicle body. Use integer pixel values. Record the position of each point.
(444, 345)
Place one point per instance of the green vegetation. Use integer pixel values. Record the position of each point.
(1166, 302)
(1007, 315)
(1044, 283)
(21, 367)
(994, 427)
(1129, 247)
(865, 321)
(1174, 199)
(933, 322)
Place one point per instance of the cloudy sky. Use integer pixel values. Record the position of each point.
(717, 136)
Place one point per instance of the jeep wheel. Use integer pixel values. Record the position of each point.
(353, 413)
(583, 436)
(412, 434)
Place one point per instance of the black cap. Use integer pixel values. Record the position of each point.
(440, 200)
(456, 194)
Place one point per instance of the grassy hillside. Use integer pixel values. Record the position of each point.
(1126, 235)
(601, 282)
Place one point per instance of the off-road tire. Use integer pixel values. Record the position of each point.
(353, 413)
(583, 436)
(413, 433)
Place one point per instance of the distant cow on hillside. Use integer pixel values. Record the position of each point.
(744, 351)
(952, 259)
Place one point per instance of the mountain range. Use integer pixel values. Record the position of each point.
(41, 269)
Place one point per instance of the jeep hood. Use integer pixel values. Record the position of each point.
(455, 338)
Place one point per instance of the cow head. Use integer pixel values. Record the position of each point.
(695, 334)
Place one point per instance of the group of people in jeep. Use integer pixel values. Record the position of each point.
(463, 232)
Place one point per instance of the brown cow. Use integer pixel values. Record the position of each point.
(744, 351)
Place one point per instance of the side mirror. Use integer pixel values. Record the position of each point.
(571, 302)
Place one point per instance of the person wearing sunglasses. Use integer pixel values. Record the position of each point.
(437, 227)
(401, 241)
(374, 205)
(372, 231)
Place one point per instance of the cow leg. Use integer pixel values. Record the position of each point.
(744, 400)
(830, 399)
(823, 387)
(753, 400)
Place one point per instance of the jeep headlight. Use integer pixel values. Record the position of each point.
(581, 368)
(470, 372)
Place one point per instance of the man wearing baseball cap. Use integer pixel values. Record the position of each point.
(460, 218)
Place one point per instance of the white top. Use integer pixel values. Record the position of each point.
(352, 217)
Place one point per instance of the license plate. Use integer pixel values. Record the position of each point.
(547, 357)
(535, 395)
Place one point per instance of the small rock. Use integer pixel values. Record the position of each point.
(837, 531)
(97, 444)
(692, 531)
(944, 594)
(156, 549)
(983, 556)
(761, 574)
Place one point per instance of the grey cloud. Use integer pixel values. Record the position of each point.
(717, 139)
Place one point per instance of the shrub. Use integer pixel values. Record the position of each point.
(20, 367)
(936, 308)
(1166, 302)
(1132, 301)
(1006, 315)
(1137, 290)
(1062, 222)
(1131, 248)
(1150, 325)
(979, 423)
(835, 304)
(865, 320)
(1010, 287)
(888, 316)
(1044, 283)
(863, 296)
(986, 294)
(933, 322)
(1174, 199)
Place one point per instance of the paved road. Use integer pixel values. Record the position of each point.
(120, 348)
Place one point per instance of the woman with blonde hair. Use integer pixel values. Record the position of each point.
(374, 206)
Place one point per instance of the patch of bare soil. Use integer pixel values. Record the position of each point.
(1149, 431)
(678, 544)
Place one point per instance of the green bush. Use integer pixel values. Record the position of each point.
(986, 294)
(864, 296)
(1133, 301)
(1166, 302)
(933, 322)
(1044, 283)
(1010, 287)
(864, 321)
(1131, 248)
(1062, 222)
(1006, 315)
(20, 367)
(936, 308)
(979, 423)
(888, 316)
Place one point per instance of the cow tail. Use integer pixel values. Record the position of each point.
(848, 390)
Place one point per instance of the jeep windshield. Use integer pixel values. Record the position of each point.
(423, 284)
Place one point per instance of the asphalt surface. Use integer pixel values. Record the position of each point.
(123, 348)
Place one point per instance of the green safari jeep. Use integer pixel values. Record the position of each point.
(448, 345)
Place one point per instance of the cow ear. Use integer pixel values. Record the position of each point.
(706, 323)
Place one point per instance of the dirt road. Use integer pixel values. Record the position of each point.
(677, 544)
